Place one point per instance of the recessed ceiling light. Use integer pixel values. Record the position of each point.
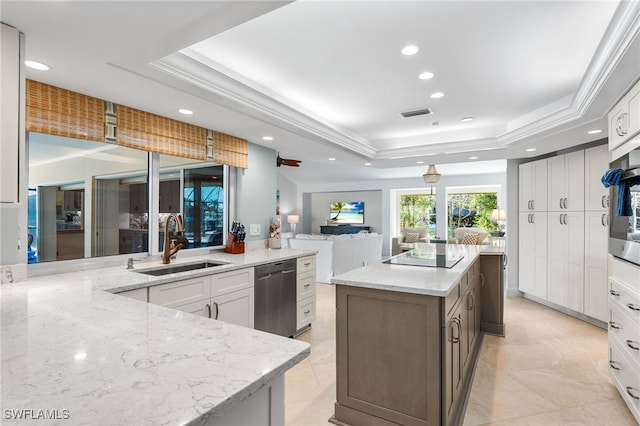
(331, 159)
(465, 119)
(419, 162)
(437, 95)
(473, 158)
(530, 149)
(594, 131)
(426, 75)
(410, 50)
(185, 111)
(37, 65)
(367, 164)
(267, 138)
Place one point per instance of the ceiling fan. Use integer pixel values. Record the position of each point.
(287, 162)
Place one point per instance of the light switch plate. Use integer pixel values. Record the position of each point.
(254, 229)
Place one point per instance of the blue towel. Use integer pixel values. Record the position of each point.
(614, 177)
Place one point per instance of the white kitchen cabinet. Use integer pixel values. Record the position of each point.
(226, 296)
(565, 279)
(9, 113)
(305, 291)
(566, 182)
(533, 186)
(624, 332)
(624, 118)
(596, 163)
(596, 271)
(533, 254)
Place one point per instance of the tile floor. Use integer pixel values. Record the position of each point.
(550, 369)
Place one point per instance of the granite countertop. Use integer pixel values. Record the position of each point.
(430, 281)
(68, 343)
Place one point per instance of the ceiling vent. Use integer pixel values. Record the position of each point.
(425, 111)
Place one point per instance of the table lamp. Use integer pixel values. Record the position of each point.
(499, 215)
(293, 220)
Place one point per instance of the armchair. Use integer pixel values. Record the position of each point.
(409, 235)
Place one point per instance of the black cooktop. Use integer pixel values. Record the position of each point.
(426, 259)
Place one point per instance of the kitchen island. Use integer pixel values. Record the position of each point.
(75, 353)
(408, 336)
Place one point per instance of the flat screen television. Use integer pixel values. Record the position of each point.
(351, 212)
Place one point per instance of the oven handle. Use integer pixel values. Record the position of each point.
(631, 173)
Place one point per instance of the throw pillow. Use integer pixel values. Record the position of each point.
(470, 238)
(411, 237)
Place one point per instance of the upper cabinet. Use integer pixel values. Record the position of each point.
(533, 186)
(624, 118)
(596, 163)
(170, 196)
(565, 182)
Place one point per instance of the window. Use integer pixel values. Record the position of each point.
(91, 199)
(466, 210)
(418, 211)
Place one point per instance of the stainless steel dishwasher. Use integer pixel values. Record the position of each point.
(275, 298)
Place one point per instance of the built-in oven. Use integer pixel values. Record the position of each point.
(624, 228)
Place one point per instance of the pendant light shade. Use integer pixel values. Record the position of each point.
(432, 176)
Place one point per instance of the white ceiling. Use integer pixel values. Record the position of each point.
(327, 79)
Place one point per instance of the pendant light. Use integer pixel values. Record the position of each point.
(432, 176)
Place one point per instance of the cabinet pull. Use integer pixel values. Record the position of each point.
(307, 312)
(455, 339)
(482, 278)
(614, 325)
(614, 366)
(533, 204)
(633, 307)
(560, 219)
(217, 310)
(560, 203)
(208, 310)
(565, 203)
(629, 388)
(471, 296)
(307, 285)
(632, 346)
(307, 264)
(603, 201)
(614, 293)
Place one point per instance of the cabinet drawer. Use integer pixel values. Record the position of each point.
(451, 300)
(306, 312)
(625, 298)
(626, 273)
(625, 374)
(231, 281)
(306, 285)
(626, 331)
(180, 292)
(306, 264)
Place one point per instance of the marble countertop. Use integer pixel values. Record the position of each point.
(69, 343)
(430, 281)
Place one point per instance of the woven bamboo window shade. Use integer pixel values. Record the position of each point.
(60, 112)
(55, 111)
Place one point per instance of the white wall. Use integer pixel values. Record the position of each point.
(289, 203)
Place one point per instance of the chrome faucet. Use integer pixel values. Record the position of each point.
(169, 249)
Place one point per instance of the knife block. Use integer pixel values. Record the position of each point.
(233, 246)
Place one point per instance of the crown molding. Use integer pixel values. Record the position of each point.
(249, 99)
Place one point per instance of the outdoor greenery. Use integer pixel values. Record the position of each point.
(418, 210)
(471, 210)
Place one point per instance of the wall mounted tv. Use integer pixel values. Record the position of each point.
(351, 212)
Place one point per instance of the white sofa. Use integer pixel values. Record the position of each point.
(337, 253)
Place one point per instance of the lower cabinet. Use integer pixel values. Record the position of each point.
(406, 359)
(226, 296)
(305, 291)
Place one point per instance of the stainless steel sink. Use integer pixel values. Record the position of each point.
(172, 269)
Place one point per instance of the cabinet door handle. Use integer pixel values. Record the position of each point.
(560, 202)
(603, 201)
(506, 261)
(208, 310)
(633, 307)
(629, 389)
(307, 264)
(614, 293)
(630, 343)
(307, 312)
(217, 309)
(455, 339)
(565, 203)
(614, 365)
(604, 219)
(533, 218)
(473, 302)
(614, 325)
(560, 219)
(482, 278)
(307, 285)
(533, 204)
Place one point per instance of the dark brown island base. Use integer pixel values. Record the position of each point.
(406, 350)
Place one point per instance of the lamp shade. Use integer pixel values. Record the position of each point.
(498, 215)
(293, 219)
(432, 175)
